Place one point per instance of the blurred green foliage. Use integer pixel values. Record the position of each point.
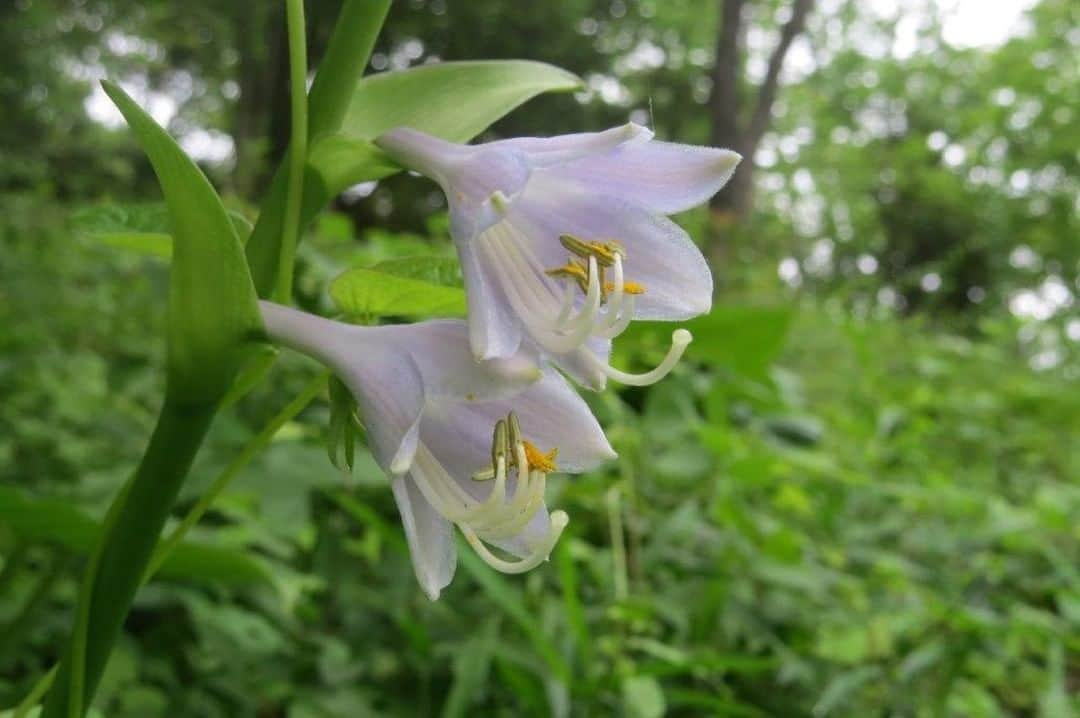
(858, 495)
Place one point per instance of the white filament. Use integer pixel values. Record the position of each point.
(494, 518)
(549, 315)
(680, 338)
(538, 555)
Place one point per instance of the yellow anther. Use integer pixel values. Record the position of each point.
(627, 287)
(572, 270)
(538, 459)
(604, 252)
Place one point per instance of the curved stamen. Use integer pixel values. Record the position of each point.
(625, 316)
(539, 553)
(425, 476)
(497, 496)
(567, 305)
(513, 525)
(518, 503)
(546, 333)
(615, 299)
(680, 338)
(525, 279)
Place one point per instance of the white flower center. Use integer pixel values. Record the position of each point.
(563, 308)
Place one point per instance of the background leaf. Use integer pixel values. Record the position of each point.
(399, 288)
(55, 521)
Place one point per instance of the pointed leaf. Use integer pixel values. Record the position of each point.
(453, 100)
(212, 305)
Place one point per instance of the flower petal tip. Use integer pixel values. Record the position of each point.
(728, 161)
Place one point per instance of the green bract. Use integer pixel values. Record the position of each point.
(212, 310)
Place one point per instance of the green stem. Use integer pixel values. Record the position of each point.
(341, 67)
(23, 709)
(253, 447)
(618, 542)
(290, 230)
(126, 546)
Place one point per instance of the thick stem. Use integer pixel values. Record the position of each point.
(140, 512)
(250, 451)
(297, 157)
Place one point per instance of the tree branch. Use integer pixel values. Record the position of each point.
(759, 122)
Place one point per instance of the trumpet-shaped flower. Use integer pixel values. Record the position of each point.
(564, 240)
(464, 442)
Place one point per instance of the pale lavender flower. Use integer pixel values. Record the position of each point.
(564, 240)
(464, 442)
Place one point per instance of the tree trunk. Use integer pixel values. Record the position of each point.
(733, 203)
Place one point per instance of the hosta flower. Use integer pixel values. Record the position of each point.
(564, 240)
(464, 442)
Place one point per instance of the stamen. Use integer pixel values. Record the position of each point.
(626, 314)
(512, 525)
(539, 460)
(680, 338)
(539, 553)
(499, 516)
(605, 252)
(573, 271)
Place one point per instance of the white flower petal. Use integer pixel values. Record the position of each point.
(663, 177)
(440, 349)
(384, 378)
(470, 175)
(552, 416)
(551, 151)
(659, 254)
(494, 331)
(430, 538)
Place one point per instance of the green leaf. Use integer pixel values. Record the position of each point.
(212, 304)
(152, 244)
(453, 100)
(444, 271)
(643, 697)
(336, 162)
(139, 228)
(745, 340)
(391, 289)
(508, 600)
(472, 664)
(347, 53)
(56, 522)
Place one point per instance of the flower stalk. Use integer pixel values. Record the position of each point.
(297, 157)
